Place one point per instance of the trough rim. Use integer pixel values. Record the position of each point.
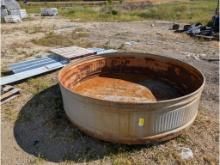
(83, 59)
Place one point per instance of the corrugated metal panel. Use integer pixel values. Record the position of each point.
(34, 67)
(30, 73)
(37, 63)
(49, 11)
(51, 59)
(173, 119)
(102, 51)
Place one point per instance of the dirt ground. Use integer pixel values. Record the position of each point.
(35, 129)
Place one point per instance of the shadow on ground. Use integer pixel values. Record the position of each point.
(42, 129)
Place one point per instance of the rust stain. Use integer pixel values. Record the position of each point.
(126, 88)
(115, 88)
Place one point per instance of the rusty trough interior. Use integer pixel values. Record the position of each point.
(131, 78)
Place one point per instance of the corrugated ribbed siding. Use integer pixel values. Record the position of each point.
(174, 119)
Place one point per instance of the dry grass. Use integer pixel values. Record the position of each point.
(27, 29)
(76, 37)
(36, 85)
(21, 50)
(34, 29)
(185, 11)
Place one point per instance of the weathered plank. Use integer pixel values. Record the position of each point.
(205, 37)
(8, 93)
(72, 52)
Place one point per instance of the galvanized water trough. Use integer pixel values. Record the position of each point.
(131, 98)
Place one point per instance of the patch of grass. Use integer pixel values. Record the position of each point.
(193, 11)
(106, 13)
(15, 45)
(184, 139)
(188, 11)
(159, 157)
(5, 70)
(121, 160)
(37, 85)
(38, 160)
(76, 37)
(8, 113)
(35, 29)
(66, 162)
(209, 159)
(30, 9)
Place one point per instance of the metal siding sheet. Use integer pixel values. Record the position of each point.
(102, 51)
(28, 62)
(30, 73)
(33, 66)
(37, 63)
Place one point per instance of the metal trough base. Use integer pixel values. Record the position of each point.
(145, 140)
(155, 113)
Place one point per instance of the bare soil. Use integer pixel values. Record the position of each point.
(35, 129)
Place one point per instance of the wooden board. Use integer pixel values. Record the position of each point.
(72, 52)
(8, 93)
(205, 37)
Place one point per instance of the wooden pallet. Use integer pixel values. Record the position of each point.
(8, 93)
(72, 52)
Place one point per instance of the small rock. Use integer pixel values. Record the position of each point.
(202, 55)
(186, 153)
(196, 57)
(130, 43)
(149, 43)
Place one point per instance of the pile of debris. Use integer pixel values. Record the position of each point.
(200, 31)
(56, 59)
(49, 11)
(11, 11)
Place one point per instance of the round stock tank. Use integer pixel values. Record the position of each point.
(131, 98)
